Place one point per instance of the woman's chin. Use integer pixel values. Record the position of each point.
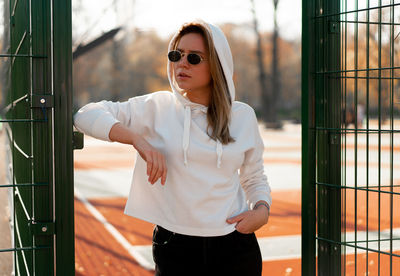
(184, 86)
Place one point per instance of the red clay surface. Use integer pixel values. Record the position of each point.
(382, 218)
(376, 265)
(97, 252)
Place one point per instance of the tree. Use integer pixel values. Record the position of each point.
(275, 89)
(270, 97)
(265, 94)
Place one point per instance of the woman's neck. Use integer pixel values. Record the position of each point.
(202, 98)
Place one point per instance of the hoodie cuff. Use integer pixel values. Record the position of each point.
(264, 197)
(102, 126)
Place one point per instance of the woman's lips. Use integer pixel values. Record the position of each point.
(183, 76)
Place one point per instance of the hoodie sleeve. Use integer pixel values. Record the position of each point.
(97, 119)
(252, 176)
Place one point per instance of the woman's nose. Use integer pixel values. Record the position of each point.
(183, 61)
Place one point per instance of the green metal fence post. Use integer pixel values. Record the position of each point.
(321, 167)
(41, 225)
(308, 208)
(63, 138)
(328, 98)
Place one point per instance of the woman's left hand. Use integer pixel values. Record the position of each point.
(250, 221)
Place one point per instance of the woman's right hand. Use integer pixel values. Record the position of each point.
(156, 165)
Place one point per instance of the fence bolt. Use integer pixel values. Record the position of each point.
(42, 228)
(42, 101)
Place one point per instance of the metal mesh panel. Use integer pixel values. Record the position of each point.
(369, 76)
(26, 127)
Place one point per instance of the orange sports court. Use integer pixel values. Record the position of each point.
(107, 242)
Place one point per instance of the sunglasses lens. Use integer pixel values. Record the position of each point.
(174, 56)
(193, 59)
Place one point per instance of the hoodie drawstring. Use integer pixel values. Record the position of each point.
(186, 133)
(186, 138)
(219, 154)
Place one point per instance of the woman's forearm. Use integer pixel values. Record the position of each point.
(120, 133)
(156, 164)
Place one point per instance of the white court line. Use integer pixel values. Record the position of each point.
(132, 250)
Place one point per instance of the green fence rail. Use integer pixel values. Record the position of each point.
(37, 121)
(351, 138)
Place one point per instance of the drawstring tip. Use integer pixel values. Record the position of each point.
(219, 154)
(185, 158)
(219, 162)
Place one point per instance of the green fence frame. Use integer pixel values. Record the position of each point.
(350, 185)
(37, 120)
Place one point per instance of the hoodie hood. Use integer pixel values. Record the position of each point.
(224, 54)
(225, 57)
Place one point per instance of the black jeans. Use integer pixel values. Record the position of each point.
(182, 255)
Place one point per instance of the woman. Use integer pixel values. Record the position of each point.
(191, 144)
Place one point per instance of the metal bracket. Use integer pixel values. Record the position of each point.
(42, 101)
(42, 228)
(334, 138)
(333, 27)
(77, 140)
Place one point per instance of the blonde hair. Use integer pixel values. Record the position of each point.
(219, 109)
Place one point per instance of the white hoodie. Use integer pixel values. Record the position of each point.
(203, 186)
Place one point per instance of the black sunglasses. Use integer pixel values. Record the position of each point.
(192, 58)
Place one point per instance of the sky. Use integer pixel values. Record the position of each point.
(93, 17)
(164, 17)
